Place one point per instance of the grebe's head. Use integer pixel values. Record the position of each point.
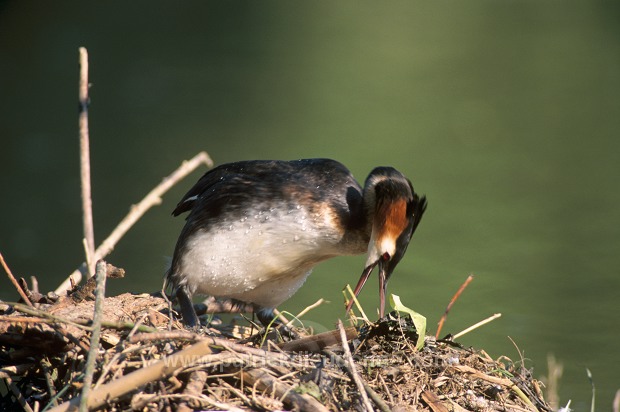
(394, 211)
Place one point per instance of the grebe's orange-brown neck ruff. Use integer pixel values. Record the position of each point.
(256, 229)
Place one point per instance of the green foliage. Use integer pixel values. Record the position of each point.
(418, 320)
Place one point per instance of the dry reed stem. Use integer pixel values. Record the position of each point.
(357, 305)
(477, 325)
(14, 281)
(87, 203)
(306, 310)
(281, 316)
(454, 299)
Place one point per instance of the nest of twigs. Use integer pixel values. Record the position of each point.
(146, 360)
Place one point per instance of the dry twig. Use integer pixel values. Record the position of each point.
(454, 298)
(306, 310)
(14, 281)
(478, 324)
(87, 203)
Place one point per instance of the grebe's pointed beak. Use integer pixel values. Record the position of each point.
(384, 275)
(360, 284)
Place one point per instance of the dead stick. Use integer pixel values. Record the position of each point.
(306, 310)
(280, 316)
(151, 199)
(94, 338)
(87, 203)
(454, 298)
(477, 325)
(351, 368)
(14, 281)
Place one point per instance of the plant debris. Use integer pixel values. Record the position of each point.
(148, 361)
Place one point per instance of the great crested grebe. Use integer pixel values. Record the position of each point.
(256, 229)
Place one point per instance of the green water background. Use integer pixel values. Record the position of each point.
(505, 114)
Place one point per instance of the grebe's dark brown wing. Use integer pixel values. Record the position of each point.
(254, 182)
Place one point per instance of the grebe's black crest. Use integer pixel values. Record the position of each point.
(255, 229)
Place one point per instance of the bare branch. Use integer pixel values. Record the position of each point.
(14, 281)
(477, 325)
(87, 203)
(454, 298)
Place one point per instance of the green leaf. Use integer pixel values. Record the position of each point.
(418, 320)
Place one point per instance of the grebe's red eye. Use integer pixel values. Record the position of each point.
(385, 256)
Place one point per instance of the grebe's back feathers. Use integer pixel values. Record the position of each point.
(229, 187)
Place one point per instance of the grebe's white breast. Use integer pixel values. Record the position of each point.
(263, 255)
